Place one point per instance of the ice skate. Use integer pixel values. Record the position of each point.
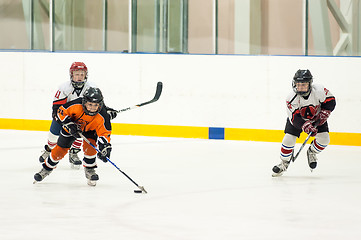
(312, 159)
(44, 154)
(41, 175)
(279, 169)
(74, 160)
(91, 176)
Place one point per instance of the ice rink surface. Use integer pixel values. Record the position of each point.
(197, 190)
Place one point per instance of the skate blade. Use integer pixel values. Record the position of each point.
(277, 174)
(92, 183)
(73, 166)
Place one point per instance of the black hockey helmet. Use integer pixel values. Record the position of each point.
(302, 76)
(93, 95)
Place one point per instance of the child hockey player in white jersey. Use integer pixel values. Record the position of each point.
(67, 92)
(309, 106)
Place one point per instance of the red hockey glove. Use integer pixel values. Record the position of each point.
(307, 127)
(323, 116)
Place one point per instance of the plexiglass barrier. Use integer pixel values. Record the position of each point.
(257, 27)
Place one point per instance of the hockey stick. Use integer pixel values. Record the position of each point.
(141, 188)
(293, 158)
(156, 97)
(277, 171)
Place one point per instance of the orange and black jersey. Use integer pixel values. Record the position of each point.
(73, 112)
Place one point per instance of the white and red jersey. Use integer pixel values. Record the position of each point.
(66, 93)
(300, 109)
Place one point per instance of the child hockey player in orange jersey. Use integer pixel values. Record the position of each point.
(67, 92)
(88, 116)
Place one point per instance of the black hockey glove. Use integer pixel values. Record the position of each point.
(112, 113)
(104, 149)
(73, 129)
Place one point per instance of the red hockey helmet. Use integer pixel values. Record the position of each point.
(76, 66)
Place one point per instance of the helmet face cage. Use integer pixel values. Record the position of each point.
(76, 66)
(93, 95)
(302, 76)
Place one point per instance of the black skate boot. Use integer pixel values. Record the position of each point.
(44, 154)
(41, 175)
(74, 159)
(91, 176)
(312, 159)
(279, 169)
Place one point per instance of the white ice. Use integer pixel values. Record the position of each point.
(197, 190)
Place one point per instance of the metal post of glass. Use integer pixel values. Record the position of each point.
(165, 27)
(105, 25)
(133, 25)
(51, 25)
(157, 26)
(31, 32)
(185, 26)
(215, 26)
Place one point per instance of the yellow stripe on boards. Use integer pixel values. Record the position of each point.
(262, 135)
(160, 130)
(348, 139)
(25, 124)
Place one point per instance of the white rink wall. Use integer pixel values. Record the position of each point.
(230, 91)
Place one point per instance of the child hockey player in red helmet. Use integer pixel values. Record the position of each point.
(68, 91)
